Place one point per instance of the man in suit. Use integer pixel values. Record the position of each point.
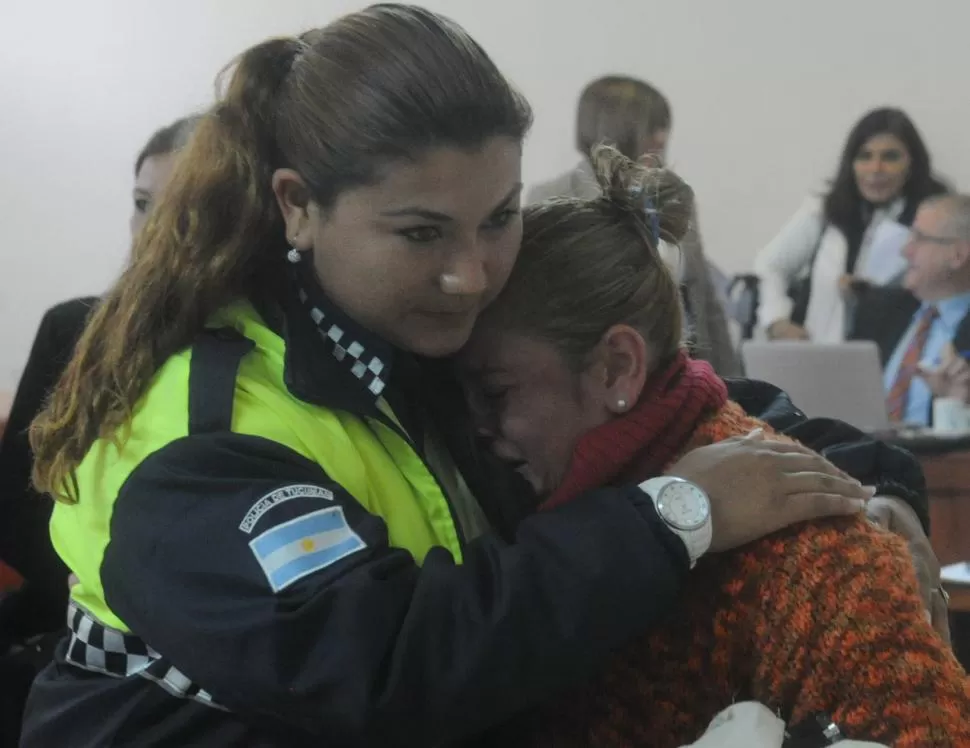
(923, 329)
(635, 117)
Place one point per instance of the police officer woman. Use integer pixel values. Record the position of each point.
(282, 530)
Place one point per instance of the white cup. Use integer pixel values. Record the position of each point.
(950, 415)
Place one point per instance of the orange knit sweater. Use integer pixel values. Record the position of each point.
(822, 617)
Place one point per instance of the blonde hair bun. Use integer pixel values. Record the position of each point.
(658, 201)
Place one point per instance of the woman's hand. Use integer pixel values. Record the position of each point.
(785, 329)
(898, 517)
(850, 286)
(758, 486)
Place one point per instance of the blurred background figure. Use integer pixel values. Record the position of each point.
(635, 117)
(923, 327)
(35, 599)
(808, 271)
(153, 167)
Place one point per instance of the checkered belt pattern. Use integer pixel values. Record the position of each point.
(102, 649)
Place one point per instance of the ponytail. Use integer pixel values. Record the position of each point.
(215, 235)
(337, 105)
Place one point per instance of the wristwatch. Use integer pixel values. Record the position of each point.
(685, 509)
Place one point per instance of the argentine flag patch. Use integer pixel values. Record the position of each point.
(293, 550)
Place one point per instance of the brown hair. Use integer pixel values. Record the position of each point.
(336, 104)
(620, 111)
(167, 140)
(586, 265)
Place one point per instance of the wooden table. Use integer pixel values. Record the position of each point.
(948, 487)
(946, 466)
(959, 597)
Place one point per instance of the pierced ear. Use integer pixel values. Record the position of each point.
(628, 363)
(293, 197)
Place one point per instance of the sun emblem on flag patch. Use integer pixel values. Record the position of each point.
(302, 546)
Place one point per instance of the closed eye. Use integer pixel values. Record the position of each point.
(502, 219)
(494, 394)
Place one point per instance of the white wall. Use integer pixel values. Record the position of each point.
(764, 91)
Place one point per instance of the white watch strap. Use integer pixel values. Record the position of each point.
(698, 541)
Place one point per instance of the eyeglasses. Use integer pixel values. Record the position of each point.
(918, 236)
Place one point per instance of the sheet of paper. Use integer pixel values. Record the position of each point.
(884, 258)
(956, 573)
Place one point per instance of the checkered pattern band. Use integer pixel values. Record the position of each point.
(363, 364)
(102, 649)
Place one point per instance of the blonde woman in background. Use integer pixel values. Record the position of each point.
(635, 117)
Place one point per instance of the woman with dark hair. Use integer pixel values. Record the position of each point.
(24, 511)
(153, 167)
(635, 118)
(807, 270)
(282, 528)
(37, 606)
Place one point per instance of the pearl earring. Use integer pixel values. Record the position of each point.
(621, 404)
(293, 255)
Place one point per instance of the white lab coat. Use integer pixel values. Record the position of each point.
(786, 257)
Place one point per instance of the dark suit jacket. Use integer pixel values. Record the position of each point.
(883, 314)
(24, 514)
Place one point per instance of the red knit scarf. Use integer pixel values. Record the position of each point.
(641, 443)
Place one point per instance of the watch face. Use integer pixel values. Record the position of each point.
(683, 505)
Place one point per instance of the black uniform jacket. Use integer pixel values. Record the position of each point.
(372, 650)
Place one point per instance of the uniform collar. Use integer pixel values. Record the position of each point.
(317, 372)
(330, 359)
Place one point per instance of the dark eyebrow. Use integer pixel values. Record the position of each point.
(433, 215)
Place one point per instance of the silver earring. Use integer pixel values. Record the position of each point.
(621, 404)
(293, 255)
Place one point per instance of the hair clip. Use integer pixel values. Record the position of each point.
(651, 210)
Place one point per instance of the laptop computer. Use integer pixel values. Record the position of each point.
(838, 380)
